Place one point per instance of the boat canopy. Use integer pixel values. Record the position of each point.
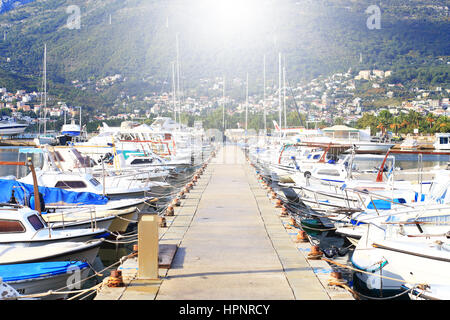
(52, 196)
(31, 150)
(340, 128)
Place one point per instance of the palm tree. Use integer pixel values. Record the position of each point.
(430, 119)
(395, 125)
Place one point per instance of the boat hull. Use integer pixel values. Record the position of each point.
(12, 130)
(85, 253)
(44, 284)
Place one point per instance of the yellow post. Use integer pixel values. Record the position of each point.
(148, 247)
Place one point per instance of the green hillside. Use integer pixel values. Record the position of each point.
(316, 37)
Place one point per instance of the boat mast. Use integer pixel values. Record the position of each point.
(81, 128)
(284, 94)
(279, 90)
(40, 109)
(246, 107)
(264, 95)
(178, 79)
(223, 105)
(45, 88)
(174, 93)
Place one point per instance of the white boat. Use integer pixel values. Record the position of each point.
(85, 182)
(174, 142)
(40, 277)
(75, 218)
(22, 226)
(43, 139)
(340, 134)
(430, 291)
(409, 144)
(77, 207)
(431, 202)
(411, 247)
(390, 262)
(442, 141)
(60, 251)
(113, 165)
(71, 129)
(10, 128)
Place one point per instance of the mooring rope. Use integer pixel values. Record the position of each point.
(415, 285)
(80, 291)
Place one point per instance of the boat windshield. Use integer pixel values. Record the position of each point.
(36, 222)
(11, 226)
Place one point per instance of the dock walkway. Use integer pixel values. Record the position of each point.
(232, 245)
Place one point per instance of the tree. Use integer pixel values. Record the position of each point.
(430, 120)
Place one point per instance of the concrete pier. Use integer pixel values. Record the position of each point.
(232, 245)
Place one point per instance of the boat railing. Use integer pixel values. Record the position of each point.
(418, 209)
(14, 205)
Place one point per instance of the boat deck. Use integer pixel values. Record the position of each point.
(232, 245)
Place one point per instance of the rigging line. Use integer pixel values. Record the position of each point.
(295, 103)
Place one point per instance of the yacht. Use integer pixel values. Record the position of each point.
(72, 129)
(396, 254)
(409, 144)
(175, 143)
(70, 209)
(22, 226)
(340, 134)
(72, 173)
(10, 127)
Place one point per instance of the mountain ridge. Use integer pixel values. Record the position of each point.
(316, 38)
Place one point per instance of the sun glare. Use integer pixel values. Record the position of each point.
(231, 17)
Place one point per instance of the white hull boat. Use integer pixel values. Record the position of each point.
(39, 278)
(24, 227)
(62, 251)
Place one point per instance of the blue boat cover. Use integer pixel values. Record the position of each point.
(383, 204)
(28, 271)
(54, 196)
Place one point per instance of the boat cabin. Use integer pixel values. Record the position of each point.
(344, 133)
(442, 141)
(80, 182)
(19, 221)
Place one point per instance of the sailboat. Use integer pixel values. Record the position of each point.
(45, 138)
